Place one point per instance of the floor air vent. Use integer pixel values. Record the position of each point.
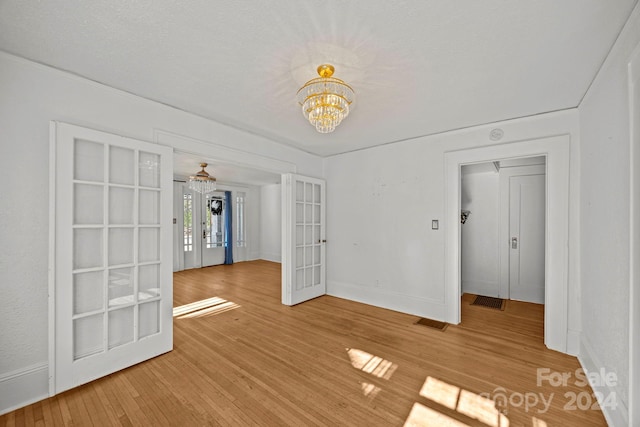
(441, 326)
(489, 302)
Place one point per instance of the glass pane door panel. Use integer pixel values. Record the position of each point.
(149, 168)
(299, 235)
(149, 244)
(316, 214)
(88, 336)
(308, 213)
(316, 193)
(88, 204)
(87, 292)
(299, 191)
(120, 246)
(308, 257)
(121, 166)
(308, 192)
(299, 257)
(120, 286)
(299, 212)
(121, 205)
(148, 319)
(316, 254)
(120, 327)
(148, 281)
(88, 162)
(308, 235)
(87, 248)
(149, 207)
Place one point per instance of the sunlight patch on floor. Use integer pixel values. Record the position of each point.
(421, 415)
(538, 422)
(374, 365)
(203, 308)
(370, 390)
(464, 402)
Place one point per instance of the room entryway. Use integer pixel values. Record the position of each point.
(503, 229)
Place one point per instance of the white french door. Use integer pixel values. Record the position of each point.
(111, 288)
(303, 238)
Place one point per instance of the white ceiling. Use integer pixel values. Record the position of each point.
(418, 67)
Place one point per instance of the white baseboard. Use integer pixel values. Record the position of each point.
(271, 256)
(23, 387)
(417, 306)
(488, 289)
(618, 416)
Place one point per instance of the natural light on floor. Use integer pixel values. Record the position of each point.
(464, 402)
(203, 308)
(374, 365)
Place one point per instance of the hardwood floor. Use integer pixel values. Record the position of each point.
(242, 358)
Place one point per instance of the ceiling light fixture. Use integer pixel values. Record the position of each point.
(202, 182)
(325, 100)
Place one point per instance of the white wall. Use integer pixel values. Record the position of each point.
(271, 223)
(480, 257)
(381, 248)
(605, 221)
(31, 96)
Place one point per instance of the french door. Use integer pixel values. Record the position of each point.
(111, 287)
(204, 236)
(304, 244)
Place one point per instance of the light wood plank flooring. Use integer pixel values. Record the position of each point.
(244, 359)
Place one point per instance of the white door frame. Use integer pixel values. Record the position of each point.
(556, 149)
(634, 241)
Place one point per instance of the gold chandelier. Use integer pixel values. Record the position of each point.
(202, 182)
(325, 100)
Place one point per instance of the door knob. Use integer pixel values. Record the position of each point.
(204, 234)
(514, 243)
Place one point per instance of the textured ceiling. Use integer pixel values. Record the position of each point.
(418, 67)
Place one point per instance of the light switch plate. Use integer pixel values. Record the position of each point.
(435, 224)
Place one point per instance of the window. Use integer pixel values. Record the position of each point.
(188, 222)
(240, 236)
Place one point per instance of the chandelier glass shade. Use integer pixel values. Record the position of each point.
(325, 100)
(202, 182)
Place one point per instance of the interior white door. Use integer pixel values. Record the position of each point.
(527, 238)
(111, 290)
(303, 238)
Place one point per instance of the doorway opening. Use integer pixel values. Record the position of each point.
(502, 231)
(243, 214)
(556, 150)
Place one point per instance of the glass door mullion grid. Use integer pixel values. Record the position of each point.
(308, 234)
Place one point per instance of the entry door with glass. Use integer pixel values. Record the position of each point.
(204, 228)
(111, 250)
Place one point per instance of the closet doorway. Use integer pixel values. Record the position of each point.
(503, 229)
